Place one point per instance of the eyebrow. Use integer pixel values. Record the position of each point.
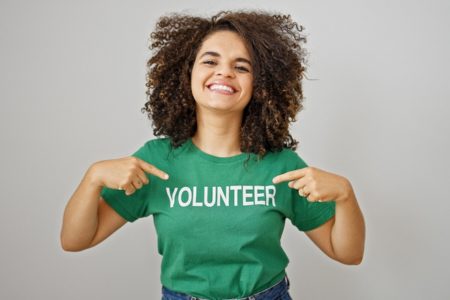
(215, 54)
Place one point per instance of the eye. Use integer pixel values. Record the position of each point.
(209, 62)
(241, 69)
(244, 69)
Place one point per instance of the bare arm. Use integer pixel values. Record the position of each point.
(87, 219)
(342, 237)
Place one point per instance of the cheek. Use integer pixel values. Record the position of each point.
(248, 84)
(199, 77)
(194, 74)
(197, 82)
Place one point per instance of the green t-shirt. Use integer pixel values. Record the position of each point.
(218, 220)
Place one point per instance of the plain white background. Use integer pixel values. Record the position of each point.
(72, 85)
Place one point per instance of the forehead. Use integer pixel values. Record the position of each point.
(225, 43)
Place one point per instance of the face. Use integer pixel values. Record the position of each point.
(222, 75)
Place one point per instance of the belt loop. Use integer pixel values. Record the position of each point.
(287, 281)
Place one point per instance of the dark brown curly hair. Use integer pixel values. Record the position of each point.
(277, 54)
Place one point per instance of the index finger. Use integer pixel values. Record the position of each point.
(288, 176)
(149, 168)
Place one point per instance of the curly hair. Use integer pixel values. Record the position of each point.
(275, 45)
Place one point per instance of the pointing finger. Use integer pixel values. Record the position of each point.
(291, 175)
(149, 168)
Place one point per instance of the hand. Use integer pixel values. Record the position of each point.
(126, 173)
(316, 185)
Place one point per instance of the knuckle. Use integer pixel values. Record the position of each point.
(130, 175)
(123, 185)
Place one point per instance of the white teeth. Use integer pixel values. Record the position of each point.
(221, 87)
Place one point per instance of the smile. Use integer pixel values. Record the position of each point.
(221, 89)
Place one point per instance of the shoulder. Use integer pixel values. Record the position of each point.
(161, 147)
(158, 143)
(288, 156)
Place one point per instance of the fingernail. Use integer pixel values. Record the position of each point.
(166, 176)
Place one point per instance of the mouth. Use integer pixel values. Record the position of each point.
(221, 89)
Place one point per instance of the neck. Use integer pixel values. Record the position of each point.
(218, 134)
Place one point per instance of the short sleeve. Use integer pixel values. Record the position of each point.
(309, 215)
(130, 207)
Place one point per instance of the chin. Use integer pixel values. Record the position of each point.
(218, 106)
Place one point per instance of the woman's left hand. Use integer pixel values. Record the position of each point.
(317, 185)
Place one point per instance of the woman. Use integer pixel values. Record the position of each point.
(222, 92)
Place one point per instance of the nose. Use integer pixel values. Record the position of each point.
(225, 71)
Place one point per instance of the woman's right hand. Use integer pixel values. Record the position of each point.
(127, 173)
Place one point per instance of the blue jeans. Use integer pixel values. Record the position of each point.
(279, 291)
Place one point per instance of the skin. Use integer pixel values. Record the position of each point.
(88, 220)
(342, 237)
(219, 116)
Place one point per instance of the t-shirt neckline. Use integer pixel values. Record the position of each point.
(213, 158)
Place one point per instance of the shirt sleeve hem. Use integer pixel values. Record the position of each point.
(120, 210)
(324, 217)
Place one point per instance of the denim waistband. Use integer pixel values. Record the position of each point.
(278, 289)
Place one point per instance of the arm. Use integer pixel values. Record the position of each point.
(88, 220)
(342, 237)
